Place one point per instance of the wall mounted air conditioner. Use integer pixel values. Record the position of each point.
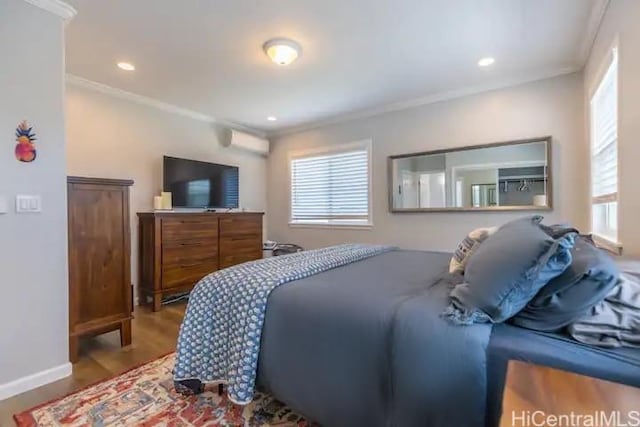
(243, 141)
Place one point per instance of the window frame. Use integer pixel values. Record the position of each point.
(613, 54)
(365, 144)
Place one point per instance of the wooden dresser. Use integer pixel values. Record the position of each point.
(100, 291)
(179, 249)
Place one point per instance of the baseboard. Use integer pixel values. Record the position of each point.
(30, 382)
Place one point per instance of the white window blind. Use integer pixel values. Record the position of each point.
(331, 188)
(604, 154)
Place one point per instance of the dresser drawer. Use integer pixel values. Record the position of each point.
(239, 258)
(179, 229)
(240, 243)
(187, 273)
(237, 226)
(178, 249)
(188, 251)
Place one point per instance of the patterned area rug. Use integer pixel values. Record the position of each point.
(145, 397)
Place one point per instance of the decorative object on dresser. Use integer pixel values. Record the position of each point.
(100, 290)
(178, 249)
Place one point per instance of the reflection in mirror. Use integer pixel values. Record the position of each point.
(483, 195)
(497, 176)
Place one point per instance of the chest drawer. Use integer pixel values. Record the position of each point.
(180, 229)
(241, 243)
(188, 251)
(236, 226)
(187, 273)
(239, 258)
(178, 249)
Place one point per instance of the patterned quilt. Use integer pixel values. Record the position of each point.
(219, 341)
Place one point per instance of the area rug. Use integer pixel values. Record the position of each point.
(145, 397)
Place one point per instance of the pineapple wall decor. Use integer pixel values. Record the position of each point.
(25, 138)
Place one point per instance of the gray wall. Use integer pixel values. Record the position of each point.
(548, 107)
(111, 137)
(33, 247)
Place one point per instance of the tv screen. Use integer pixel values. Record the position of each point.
(195, 184)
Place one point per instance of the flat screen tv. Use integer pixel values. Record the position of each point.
(195, 184)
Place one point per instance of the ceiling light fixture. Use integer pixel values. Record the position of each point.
(282, 51)
(272, 118)
(485, 62)
(126, 66)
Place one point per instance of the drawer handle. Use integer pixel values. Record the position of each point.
(191, 244)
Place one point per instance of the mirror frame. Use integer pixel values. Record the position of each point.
(548, 207)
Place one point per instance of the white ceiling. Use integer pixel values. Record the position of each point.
(358, 56)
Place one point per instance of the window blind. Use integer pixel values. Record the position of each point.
(331, 188)
(604, 154)
(231, 197)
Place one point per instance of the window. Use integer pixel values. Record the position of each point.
(333, 187)
(604, 155)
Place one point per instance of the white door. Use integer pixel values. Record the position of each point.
(409, 192)
(432, 190)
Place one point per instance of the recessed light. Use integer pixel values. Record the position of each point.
(127, 66)
(485, 62)
(282, 51)
(272, 118)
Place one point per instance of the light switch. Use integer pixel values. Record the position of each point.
(3, 205)
(28, 203)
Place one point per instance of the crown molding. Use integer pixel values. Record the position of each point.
(419, 102)
(159, 105)
(598, 10)
(57, 7)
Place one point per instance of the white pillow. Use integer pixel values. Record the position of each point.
(467, 247)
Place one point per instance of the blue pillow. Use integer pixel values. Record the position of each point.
(588, 280)
(507, 271)
(558, 230)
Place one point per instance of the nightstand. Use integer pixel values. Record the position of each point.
(534, 395)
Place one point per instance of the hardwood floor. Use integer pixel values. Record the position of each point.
(530, 388)
(154, 334)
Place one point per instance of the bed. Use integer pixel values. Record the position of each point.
(365, 344)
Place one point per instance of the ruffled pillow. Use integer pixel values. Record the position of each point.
(507, 271)
(585, 283)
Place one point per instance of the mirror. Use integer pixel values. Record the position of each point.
(511, 175)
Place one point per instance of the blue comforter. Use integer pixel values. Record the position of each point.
(219, 339)
(365, 345)
(359, 345)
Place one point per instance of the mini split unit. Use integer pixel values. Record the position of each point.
(242, 141)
